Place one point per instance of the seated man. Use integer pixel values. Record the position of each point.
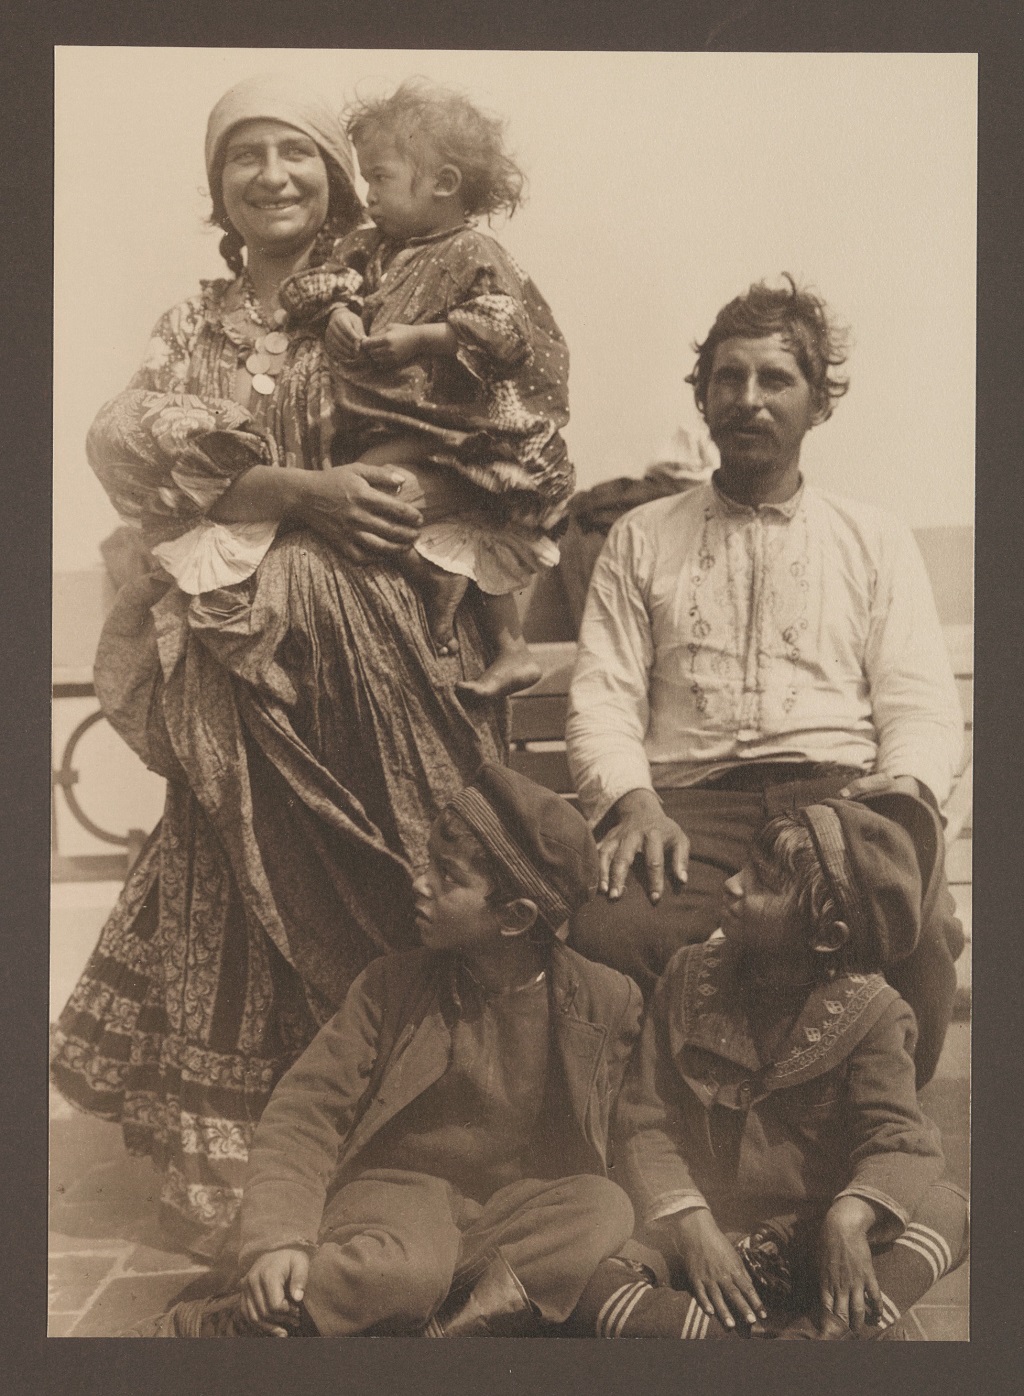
(749, 647)
(434, 1163)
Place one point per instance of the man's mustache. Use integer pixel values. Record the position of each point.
(745, 424)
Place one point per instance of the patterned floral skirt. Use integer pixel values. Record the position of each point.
(310, 735)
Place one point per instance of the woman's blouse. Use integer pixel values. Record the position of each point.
(177, 438)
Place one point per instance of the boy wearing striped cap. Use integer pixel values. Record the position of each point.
(769, 1131)
(435, 1162)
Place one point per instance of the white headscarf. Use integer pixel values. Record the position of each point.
(275, 97)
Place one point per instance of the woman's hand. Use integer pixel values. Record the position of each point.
(273, 1288)
(344, 333)
(848, 1287)
(716, 1276)
(642, 824)
(355, 509)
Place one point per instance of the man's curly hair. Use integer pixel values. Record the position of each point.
(808, 330)
(423, 118)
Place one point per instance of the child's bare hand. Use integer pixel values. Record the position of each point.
(393, 347)
(273, 1288)
(345, 332)
(717, 1277)
(848, 1286)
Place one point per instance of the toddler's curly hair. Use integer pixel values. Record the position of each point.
(421, 116)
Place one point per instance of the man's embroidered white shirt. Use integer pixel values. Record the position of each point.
(715, 634)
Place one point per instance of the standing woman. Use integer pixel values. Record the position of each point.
(275, 669)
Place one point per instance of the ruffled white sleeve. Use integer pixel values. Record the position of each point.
(213, 554)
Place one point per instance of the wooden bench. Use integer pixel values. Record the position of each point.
(538, 750)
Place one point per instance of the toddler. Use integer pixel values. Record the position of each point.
(770, 1135)
(447, 363)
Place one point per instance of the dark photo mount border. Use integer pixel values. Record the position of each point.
(991, 1362)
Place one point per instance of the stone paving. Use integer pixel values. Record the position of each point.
(110, 1266)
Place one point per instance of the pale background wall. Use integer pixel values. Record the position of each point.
(661, 184)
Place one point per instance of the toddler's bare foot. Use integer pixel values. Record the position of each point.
(441, 593)
(511, 672)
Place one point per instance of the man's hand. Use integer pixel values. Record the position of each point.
(641, 825)
(345, 333)
(717, 1277)
(848, 1287)
(879, 783)
(272, 1289)
(395, 346)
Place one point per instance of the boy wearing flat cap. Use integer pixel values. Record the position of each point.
(769, 1133)
(435, 1162)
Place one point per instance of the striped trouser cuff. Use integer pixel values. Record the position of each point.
(931, 1246)
(658, 1318)
(618, 1306)
(696, 1323)
(888, 1313)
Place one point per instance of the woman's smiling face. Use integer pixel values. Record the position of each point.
(274, 186)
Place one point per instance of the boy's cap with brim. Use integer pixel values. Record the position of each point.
(536, 836)
(879, 857)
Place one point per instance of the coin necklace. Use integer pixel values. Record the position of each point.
(267, 358)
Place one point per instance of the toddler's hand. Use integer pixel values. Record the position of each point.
(345, 332)
(717, 1277)
(272, 1289)
(393, 347)
(848, 1286)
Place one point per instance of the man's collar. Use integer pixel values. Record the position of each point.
(787, 508)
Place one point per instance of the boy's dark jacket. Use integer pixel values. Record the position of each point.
(390, 1041)
(702, 1121)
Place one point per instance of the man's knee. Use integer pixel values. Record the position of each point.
(614, 933)
(636, 938)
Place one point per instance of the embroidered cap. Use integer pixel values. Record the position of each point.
(537, 837)
(879, 857)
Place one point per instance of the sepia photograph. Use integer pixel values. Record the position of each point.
(512, 676)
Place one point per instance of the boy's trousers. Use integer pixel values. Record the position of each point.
(393, 1242)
